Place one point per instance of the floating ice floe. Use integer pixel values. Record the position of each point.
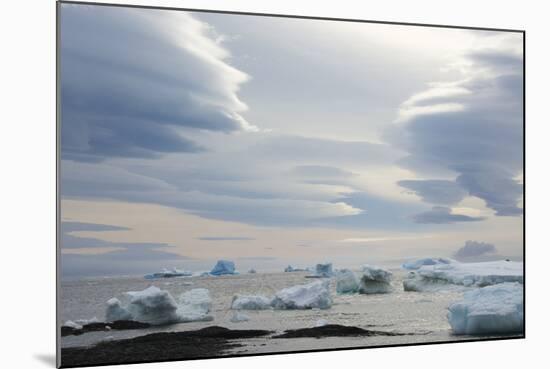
(156, 306)
(168, 274)
(251, 302)
(375, 280)
(252, 271)
(417, 264)
(494, 309)
(223, 267)
(346, 282)
(306, 296)
(434, 277)
(290, 269)
(239, 317)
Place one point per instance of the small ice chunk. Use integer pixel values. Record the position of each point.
(223, 267)
(71, 324)
(416, 264)
(194, 306)
(239, 317)
(115, 311)
(321, 323)
(375, 280)
(346, 282)
(251, 302)
(305, 296)
(290, 269)
(494, 309)
(168, 274)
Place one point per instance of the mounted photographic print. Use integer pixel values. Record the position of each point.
(236, 184)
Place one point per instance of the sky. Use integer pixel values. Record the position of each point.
(190, 137)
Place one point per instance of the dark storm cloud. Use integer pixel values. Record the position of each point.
(442, 215)
(475, 249)
(472, 129)
(132, 79)
(435, 191)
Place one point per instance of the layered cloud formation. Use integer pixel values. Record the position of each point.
(465, 137)
(134, 81)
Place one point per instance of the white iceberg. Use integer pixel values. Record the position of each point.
(416, 264)
(306, 296)
(115, 311)
(251, 302)
(223, 267)
(430, 277)
(168, 274)
(375, 280)
(239, 317)
(494, 309)
(194, 306)
(156, 306)
(346, 282)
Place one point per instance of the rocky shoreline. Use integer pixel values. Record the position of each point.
(208, 342)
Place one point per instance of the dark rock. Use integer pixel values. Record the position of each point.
(334, 330)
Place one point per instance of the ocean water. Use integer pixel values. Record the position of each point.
(421, 313)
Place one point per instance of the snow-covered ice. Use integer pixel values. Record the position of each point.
(305, 296)
(251, 302)
(346, 282)
(416, 264)
(433, 277)
(375, 280)
(494, 309)
(239, 317)
(156, 306)
(223, 267)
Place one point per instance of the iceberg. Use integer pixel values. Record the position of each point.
(239, 317)
(375, 280)
(324, 270)
(223, 267)
(306, 296)
(346, 282)
(168, 274)
(155, 306)
(430, 277)
(290, 269)
(494, 309)
(251, 302)
(115, 311)
(194, 306)
(416, 264)
(252, 271)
